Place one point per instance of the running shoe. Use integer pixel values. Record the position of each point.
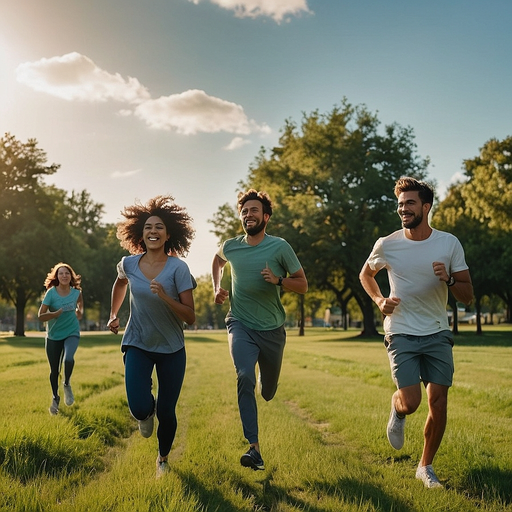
(54, 408)
(69, 398)
(146, 426)
(428, 477)
(252, 459)
(162, 467)
(395, 429)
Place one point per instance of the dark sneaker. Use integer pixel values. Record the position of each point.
(395, 429)
(428, 477)
(54, 408)
(252, 459)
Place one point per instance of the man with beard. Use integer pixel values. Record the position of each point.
(422, 263)
(261, 265)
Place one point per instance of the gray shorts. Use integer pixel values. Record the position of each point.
(420, 358)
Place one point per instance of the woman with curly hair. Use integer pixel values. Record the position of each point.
(160, 302)
(62, 308)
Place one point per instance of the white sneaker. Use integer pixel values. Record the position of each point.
(162, 467)
(54, 408)
(69, 398)
(428, 477)
(395, 429)
(146, 426)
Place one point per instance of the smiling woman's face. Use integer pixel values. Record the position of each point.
(155, 233)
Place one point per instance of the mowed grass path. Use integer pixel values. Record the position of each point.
(323, 436)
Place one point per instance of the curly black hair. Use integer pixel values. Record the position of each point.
(176, 219)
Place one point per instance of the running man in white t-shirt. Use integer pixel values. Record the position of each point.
(422, 263)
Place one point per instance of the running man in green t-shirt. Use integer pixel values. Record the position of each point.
(260, 266)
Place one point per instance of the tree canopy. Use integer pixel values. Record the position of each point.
(332, 181)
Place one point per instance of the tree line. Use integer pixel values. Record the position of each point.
(331, 179)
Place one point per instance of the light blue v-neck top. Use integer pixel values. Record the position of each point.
(152, 325)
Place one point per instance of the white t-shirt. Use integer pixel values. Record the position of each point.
(422, 308)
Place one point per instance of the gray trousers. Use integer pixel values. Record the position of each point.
(248, 347)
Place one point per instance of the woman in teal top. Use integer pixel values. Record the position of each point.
(62, 308)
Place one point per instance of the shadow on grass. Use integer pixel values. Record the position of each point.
(100, 339)
(89, 340)
(463, 338)
(490, 484)
(263, 495)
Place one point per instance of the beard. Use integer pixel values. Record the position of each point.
(414, 222)
(254, 230)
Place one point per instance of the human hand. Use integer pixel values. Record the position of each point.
(113, 325)
(156, 287)
(388, 304)
(221, 295)
(269, 276)
(440, 271)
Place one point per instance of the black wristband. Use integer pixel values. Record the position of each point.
(450, 281)
(280, 281)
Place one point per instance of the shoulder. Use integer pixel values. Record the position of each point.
(177, 263)
(128, 262)
(233, 242)
(275, 241)
(438, 234)
(396, 236)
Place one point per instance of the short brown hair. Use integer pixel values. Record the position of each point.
(407, 184)
(252, 194)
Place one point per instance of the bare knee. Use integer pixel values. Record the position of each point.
(407, 400)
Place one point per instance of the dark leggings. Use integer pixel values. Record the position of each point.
(170, 371)
(56, 352)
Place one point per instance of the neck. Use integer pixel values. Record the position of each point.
(152, 256)
(255, 239)
(422, 232)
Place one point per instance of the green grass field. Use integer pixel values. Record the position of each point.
(323, 437)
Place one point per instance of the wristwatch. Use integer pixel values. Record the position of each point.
(450, 281)
(280, 281)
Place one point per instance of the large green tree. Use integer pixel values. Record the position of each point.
(41, 225)
(27, 223)
(478, 210)
(332, 181)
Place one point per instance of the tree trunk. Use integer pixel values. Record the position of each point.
(455, 316)
(301, 321)
(20, 316)
(369, 328)
(478, 308)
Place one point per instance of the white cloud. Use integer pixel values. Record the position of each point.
(125, 174)
(236, 143)
(278, 10)
(76, 77)
(194, 111)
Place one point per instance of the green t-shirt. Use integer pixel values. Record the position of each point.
(253, 301)
(67, 323)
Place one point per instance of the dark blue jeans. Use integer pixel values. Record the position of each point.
(170, 371)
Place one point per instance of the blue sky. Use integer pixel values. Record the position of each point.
(139, 98)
